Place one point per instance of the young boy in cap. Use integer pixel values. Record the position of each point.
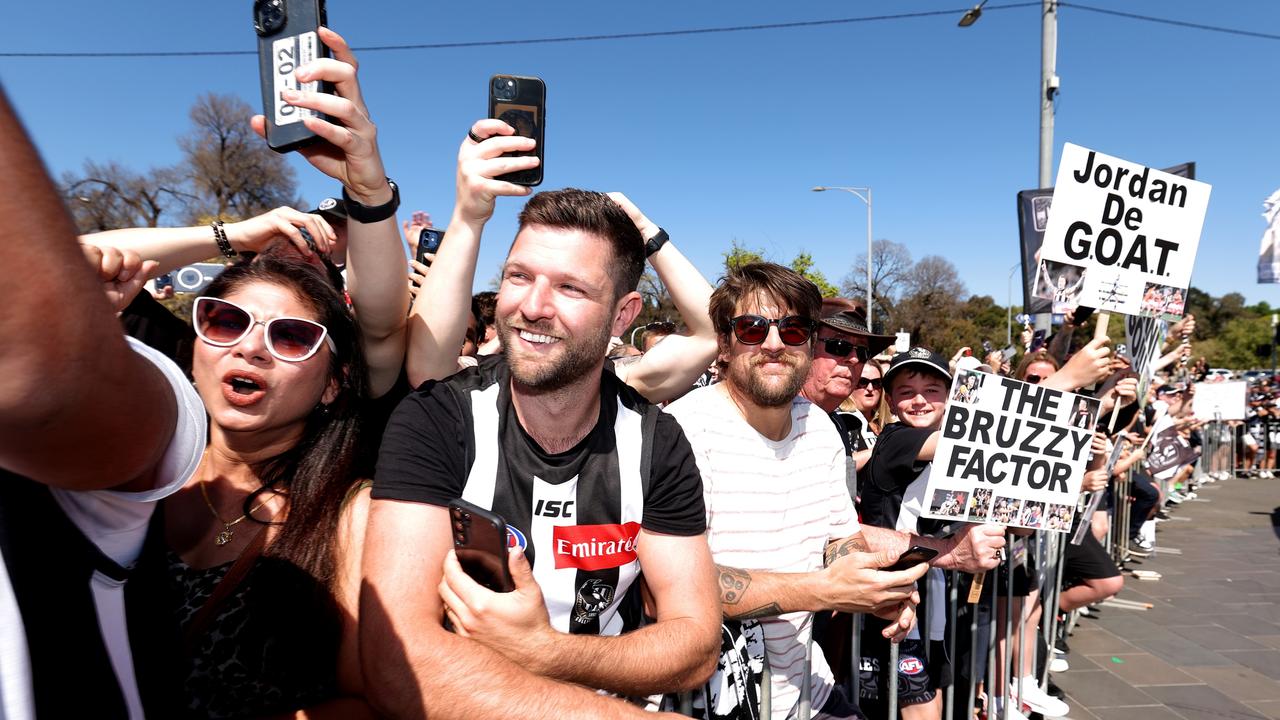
(893, 495)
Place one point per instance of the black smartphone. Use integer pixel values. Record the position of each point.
(1081, 314)
(521, 102)
(912, 557)
(287, 38)
(1037, 340)
(480, 539)
(986, 348)
(428, 242)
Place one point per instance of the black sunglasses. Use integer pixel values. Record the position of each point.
(753, 329)
(1033, 379)
(874, 383)
(839, 347)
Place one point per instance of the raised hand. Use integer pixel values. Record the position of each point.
(258, 233)
(350, 154)
(479, 162)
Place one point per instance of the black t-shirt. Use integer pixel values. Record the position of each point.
(893, 472)
(428, 449)
(577, 513)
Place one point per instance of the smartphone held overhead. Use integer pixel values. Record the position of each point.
(288, 39)
(429, 240)
(521, 102)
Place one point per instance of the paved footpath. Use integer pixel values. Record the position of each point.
(1209, 648)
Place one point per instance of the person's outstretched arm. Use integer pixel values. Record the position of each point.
(376, 264)
(70, 386)
(173, 247)
(669, 369)
(438, 319)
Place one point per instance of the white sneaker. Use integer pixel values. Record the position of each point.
(1039, 700)
(1011, 714)
(1059, 665)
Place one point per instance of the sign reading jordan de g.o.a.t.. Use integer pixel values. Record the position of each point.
(1011, 453)
(1122, 237)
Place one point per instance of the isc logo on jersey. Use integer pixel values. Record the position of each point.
(594, 547)
(554, 508)
(515, 539)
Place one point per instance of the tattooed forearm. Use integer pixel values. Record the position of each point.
(733, 584)
(769, 610)
(840, 548)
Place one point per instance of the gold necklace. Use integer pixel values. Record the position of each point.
(227, 533)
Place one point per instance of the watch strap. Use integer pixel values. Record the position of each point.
(365, 214)
(656, 242)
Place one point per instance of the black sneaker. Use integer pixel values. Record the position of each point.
(1055, 691)
(1061, 646)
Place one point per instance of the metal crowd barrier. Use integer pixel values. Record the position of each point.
(1053, 549)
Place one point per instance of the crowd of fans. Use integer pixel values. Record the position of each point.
(247, 516)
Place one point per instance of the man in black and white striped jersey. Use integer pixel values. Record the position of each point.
(595, 484)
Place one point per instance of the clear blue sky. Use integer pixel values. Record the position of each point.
(720, 136)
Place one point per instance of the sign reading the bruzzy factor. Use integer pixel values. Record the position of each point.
(1011, 453)
(1121, 237)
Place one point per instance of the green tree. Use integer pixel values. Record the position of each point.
(1234, 346)
(803, 264)
(737, 256)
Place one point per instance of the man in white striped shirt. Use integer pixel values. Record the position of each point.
(781, 524)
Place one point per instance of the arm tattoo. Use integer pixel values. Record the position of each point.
(840, 548)
(769, 610)
(733, 584)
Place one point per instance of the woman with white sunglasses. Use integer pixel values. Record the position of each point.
(262, 545)
(258, 558)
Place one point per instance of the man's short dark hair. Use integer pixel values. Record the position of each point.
(593, 213)
(771, 280)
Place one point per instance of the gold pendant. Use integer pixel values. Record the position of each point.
(223, 537)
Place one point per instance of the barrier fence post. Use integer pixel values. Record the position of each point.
(949, 695)
(855, 657)
(991, 653)
(892, 672)
(973, 659)
(1006, 652)
(1060, 552)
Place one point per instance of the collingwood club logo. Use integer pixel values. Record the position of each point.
(594, 596)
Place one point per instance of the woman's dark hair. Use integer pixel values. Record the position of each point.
(316, 475)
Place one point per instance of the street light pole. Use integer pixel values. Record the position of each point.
(1048, 86)
(1008, 336)
(858, 193)
(1049, 83)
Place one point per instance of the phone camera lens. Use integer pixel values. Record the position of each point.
(269, 16)
(504, 88)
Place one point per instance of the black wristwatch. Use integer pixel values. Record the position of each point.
(364, 214)
(656, 242)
